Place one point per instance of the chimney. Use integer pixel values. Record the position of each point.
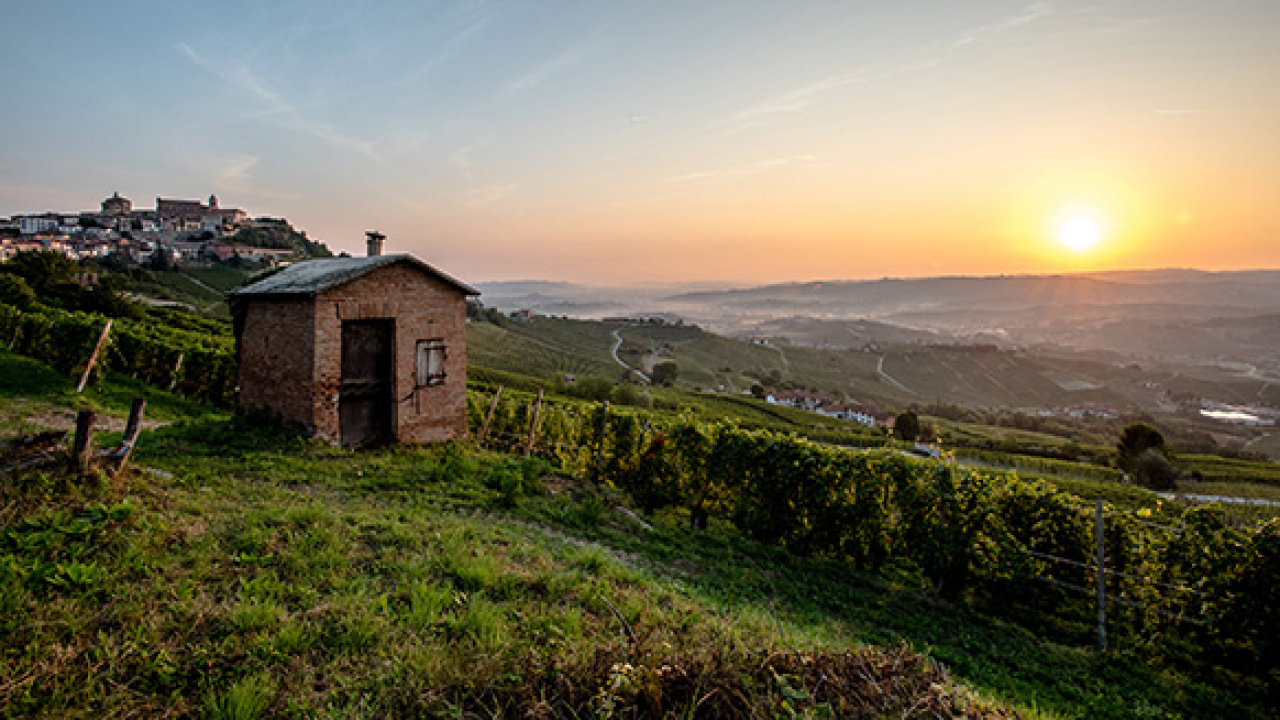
(373, 239)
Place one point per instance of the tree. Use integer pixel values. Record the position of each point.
(665, 373)
(907, 426)
(15, 291)
(1154, 471)
(161, 260)
(44, 270)
(1135, 440)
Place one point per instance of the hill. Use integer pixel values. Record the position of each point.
(244, 572)
(890, 368)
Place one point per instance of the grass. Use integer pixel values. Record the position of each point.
(246, 572)
(1213, 469)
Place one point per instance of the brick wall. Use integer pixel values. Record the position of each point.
(277, 359)
(424, 308)
(291, 353)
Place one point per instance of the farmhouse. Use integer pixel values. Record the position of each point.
(357, 351)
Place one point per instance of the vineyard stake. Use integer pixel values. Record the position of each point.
(533, 425)
(102, 340)
(82, 446)
(1100, 557)
(488, 419)
(176, 367)
(131, 430)
(604, 423)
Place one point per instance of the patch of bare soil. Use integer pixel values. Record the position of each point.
(64, 419)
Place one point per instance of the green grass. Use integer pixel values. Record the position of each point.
(1213, 469)
(246, 572)
(34, 397)
(220, 277)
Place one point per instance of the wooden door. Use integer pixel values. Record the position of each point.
(365, 407)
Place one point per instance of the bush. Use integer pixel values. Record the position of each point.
(15, 291)
(1152, 470)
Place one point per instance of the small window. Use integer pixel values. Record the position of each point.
(431, 357)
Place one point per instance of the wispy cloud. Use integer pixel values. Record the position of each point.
(542, 73)
(693, 177)
(1009, 23)
(767, 165)
(236, 173)
(449, 49)
(488, 195)
(285, 113)
(796, 102)
(461, 158)
(744, 169)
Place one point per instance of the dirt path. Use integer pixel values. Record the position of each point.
(617, 344)
(65, 419)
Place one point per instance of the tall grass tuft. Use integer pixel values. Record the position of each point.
(245, 700)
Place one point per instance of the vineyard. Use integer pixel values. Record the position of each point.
(1185, 578)
(1024, 549)
(196, 361)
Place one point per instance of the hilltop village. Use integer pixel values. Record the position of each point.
(175, 230)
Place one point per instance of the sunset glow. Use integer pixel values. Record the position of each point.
(1079, 233)
(674, 141)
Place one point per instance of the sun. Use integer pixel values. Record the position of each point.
(1080, 232)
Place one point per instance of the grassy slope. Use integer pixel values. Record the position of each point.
(516, 349)
(549, 348)
(255, 568)
(1268, 444)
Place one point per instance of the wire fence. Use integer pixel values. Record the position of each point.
(1127, 582)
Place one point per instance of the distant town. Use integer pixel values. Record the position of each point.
(175, 230)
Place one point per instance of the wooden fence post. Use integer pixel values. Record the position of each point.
(1100, 558)
(131, 430)
(82, 446)
(488, 419)
(533, 425)
(176, 367)
(88, 368)
(600, 431)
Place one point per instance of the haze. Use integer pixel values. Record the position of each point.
(672, 141)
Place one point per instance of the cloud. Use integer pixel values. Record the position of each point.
(488, 195)
(287, 114)
(1009, 23)
(693, 177)
(448, 50)
(751, 168)
(461, 158)
(766, 165)
(798, 101)
(541, 74)
(235, 173)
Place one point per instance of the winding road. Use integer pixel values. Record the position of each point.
(617, 344)
(885, 376)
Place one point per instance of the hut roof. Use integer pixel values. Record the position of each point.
(315, 276)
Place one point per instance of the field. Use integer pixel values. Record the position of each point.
(245, 572)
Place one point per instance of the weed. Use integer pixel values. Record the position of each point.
(428, 602)
(247, 699)
(481, 621)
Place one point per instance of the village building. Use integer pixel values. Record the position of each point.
(116, 206)
(357, 351)
(195, 215)
(225, 251)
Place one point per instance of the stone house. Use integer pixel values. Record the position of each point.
(357, 351)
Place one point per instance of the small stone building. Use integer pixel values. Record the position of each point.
(357, 351)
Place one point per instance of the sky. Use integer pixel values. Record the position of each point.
(671, 141)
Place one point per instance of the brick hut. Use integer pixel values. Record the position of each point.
(357, 351)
